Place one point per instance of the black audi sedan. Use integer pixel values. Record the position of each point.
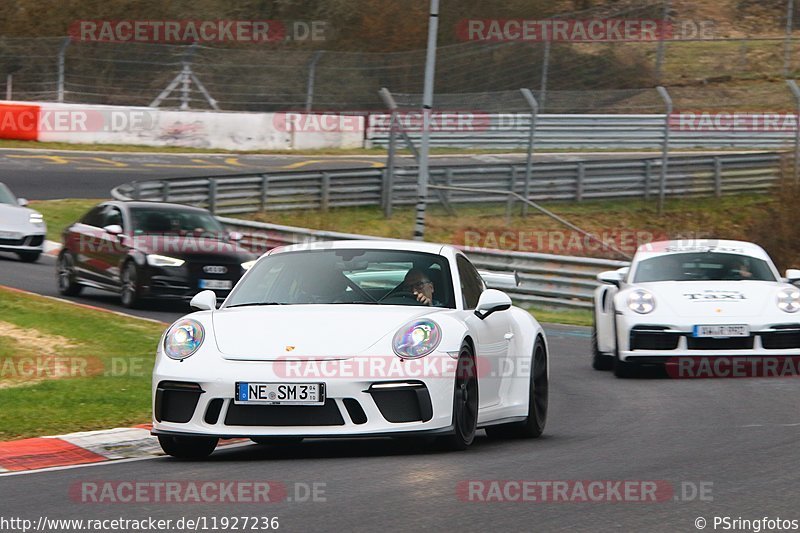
(144, 250)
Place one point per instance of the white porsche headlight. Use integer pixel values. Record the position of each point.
(248, 265)
(163, 261)
(417, 339)
(183, 339)
(789, 300)
(36, 219)
(641, 301)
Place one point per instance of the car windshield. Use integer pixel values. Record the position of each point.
(159, 221)
(6, 197)
(347, 276)
(703, 266)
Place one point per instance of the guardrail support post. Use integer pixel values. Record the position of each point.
(796, 92)
(212, 196)
(165, 191)
(534, 105)
(662, 189)
(386, 191)
(264, 191)
(512, 182)
(448, 182)
(325, 191)
(717, 177)
(648, 168)
(579, 182)
(137, 190)
(62, 52)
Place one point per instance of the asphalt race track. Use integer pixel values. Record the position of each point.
(736, 440)
(725, 448)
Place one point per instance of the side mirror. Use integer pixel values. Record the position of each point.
(23, 202)
(113, 229)
(491, 301)
(204, 301)
(613, 277)
(235, 236)
(792, 275)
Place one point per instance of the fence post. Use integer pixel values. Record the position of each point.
(312, 73)
(661, 41)
(545, 69)
(662, 190)
(62, 52)
(264, 191)
(212, 196)
(165, 191)
(787, 44)
(717, 177)
(579, 183)
(534, 105)
(796, 92)
(325, 191)
(648, 168)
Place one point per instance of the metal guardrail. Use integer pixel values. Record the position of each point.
(644, 131)
(545, 279)
(561, 180)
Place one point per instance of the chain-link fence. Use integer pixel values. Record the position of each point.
(578, 77)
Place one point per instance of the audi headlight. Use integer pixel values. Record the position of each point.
(248, 265)
(163, 261)
(417, 339)
(789, 300)
(36, 219)
(183, 339)
(641, 301)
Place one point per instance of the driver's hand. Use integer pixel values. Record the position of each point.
(421, 298)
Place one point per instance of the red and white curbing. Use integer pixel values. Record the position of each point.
(82, 448)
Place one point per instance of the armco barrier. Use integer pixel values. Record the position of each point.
(562, 180)
(632, 132)
(545, 279)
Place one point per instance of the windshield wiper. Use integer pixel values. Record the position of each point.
(253, 304)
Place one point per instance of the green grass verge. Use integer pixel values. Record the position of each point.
(569, 317)
(112, 357)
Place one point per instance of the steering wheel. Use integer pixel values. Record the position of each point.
(402, 297)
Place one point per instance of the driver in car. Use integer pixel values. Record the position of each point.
(418, 284)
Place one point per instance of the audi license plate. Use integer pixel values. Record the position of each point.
(734, 330)
(220, 284)
(280, 393)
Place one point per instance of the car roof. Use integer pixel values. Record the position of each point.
(163, 205)
(372, 244)
(657, 248)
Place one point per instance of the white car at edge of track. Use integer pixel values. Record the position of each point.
(22, 229)
(694, 298)
(331, 340)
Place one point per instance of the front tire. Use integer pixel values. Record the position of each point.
(465, 402)
(29, 257)
(66, 277)
(188, 447)
(538, 400)
(130, 295)
(623, 369)
(600, 361)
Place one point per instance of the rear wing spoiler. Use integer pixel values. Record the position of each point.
(500, 280)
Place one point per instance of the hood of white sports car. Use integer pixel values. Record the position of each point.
(714, 298)
(308, 331)
(15, 218)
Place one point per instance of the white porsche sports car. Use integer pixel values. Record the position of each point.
(22, 230)
(352, 338)
(694, 298)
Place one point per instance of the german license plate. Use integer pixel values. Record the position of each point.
(280, 393)
(733, 330)
(221, 284)
(9, 235)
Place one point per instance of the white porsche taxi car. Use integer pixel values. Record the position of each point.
(694, 298)
(352, 338)
(22, 230)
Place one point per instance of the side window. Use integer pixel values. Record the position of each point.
(111, 216)
(94, 217)
(471, 282)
